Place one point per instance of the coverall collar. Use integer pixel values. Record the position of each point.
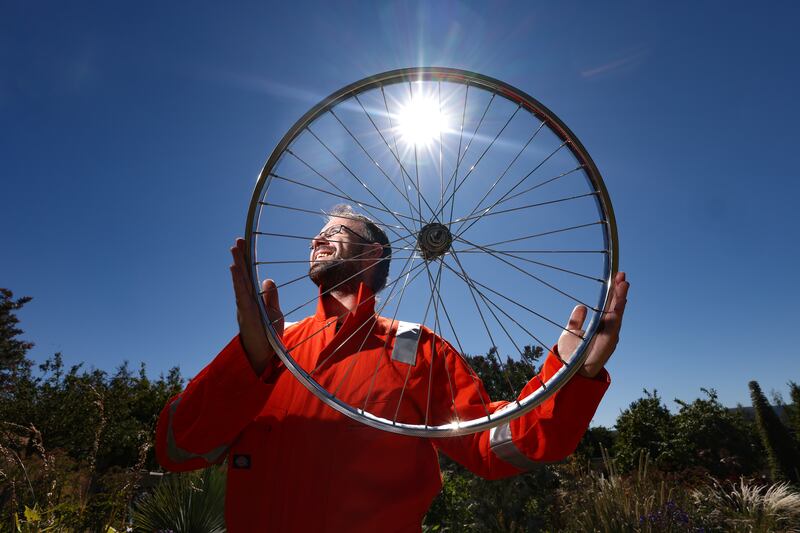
(365, 306)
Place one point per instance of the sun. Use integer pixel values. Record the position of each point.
(421, 122)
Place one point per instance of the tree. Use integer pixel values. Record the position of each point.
(713, 437)
(646, 426)
(13, 361)
(72, 441)
(17, 388)
(505, 381)
(782, 454)
(595, 440)
(793, 411)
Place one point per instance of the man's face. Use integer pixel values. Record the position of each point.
(331, 262)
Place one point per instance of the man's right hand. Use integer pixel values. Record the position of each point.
(251, 329)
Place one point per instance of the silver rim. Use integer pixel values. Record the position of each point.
(540, 237)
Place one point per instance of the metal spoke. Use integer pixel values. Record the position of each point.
(475, 378)
(343, 314)
(540, 263)
(441, 168)
(305, 274)
(396, 153)
(452, 198)
(307, 238)
(374, 322)
(343, 197)
(376, 219)
(485, 298)
(323, 212)
(535, 235)
(460, 157)
(416, 162)
(376, 316)
(529, 206)
(408, 373)
(394, 229)
(458, 152)
(419, 210)
(525, 177)
(402, 169)
(468, 281)
(406, 283)
(436, 336)
(531, 188)
(359, 180)
(343, 282)
(291, 261)
(486, 302)
(497, 181)
(474, 251)
(537, 278)
(528, 309)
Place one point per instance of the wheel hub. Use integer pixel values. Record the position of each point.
(434, 240)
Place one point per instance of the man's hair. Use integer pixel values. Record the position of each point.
(374, 234)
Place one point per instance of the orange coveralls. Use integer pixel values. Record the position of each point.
(295, 464)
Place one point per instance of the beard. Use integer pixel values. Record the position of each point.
(335, 273)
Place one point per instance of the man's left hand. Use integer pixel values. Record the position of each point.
(607, 335)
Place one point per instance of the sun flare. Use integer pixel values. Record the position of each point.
(421, 122)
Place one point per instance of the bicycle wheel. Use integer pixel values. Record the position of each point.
(499, 224)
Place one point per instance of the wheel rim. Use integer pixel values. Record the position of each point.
(350, 147)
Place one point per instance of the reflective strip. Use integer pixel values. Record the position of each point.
(179, 455)
(503, 446)
(405, 342)
(287, 324)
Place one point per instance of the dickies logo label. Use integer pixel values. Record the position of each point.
(241, 461)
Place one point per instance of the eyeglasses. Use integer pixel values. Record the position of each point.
(335, 230)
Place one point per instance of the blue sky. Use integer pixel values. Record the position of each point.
(132, 136)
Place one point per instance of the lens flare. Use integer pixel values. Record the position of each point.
(421, 122)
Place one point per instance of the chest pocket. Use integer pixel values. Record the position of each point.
(253, 463)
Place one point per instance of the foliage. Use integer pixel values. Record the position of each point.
(747, 506)
(503, 381)
(712, 437)
(793, 411)
(72, 442)
(469, 503)
(12, 350)
(191, 502)
(592, 444)
(782, 453)
(646, 500)
(645, 427)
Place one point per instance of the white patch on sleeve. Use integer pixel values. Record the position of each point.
(406, 341)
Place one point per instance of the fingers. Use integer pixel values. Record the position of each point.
(240, 274)
(577, 318)
(621, 287)
(619, 299)
(270, 295)
(612, 321)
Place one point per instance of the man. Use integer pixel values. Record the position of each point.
(294, 464)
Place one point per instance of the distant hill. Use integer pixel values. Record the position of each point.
(750, 413)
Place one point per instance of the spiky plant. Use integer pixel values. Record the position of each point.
(192, 502)
(749, 506)
(781, 453)
(641, 501)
